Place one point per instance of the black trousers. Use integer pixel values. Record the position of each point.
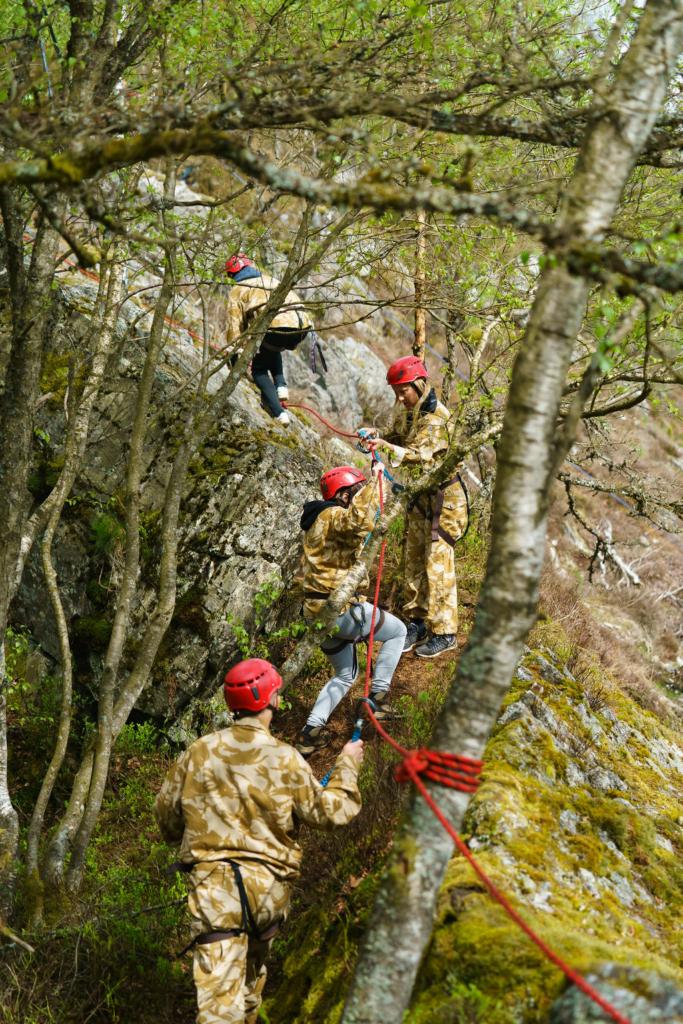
(263, 366)
(266, 365)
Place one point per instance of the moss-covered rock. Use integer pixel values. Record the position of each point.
(92, 633)
(578, 820)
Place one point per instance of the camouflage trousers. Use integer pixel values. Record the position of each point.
(230, 974)
(430, 587)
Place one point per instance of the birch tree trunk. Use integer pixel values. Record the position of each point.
(77, 436)
(134, 475)
(403, 916)
(30, 295)
(420, 339)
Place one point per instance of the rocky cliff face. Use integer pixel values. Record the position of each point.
(240, 514)
(353, 389)
(579, 820)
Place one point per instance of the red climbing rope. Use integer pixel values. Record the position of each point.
(292, 405)
(462, 773)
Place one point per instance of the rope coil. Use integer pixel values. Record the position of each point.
(447, 769)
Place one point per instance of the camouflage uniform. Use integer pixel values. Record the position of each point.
(248, 299)
(430, 585)
(240, 794)
(333, 545)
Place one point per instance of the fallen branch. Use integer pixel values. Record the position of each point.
(9, 934)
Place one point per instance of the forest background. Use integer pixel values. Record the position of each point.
(505, 175)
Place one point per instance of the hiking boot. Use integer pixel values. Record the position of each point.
(437, 645)
(283, 392)
(282, 419)
(312, 738)
(416, 633)
(385, 710)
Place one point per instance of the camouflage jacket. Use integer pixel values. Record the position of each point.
(241, 793)
(429, 443)
(248, 299)
(333, 544)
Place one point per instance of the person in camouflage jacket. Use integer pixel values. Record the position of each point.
(420, 437)
(251, 291)
(233, 803)
(335, 531)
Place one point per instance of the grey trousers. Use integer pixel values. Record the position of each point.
(392, 636)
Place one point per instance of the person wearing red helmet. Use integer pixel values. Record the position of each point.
(233, 802)
(335, 530)
(419, 437)
(288, 328)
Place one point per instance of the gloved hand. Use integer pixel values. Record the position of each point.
(283, 393)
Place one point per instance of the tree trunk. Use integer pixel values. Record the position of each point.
(31, 292)
(77, 436)
(403, 916)
(455, 320)
(105, 706)
(420, 339)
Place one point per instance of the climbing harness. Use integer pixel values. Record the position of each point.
(435, 514)
(460, 773)
(359, 638)
(248, 926)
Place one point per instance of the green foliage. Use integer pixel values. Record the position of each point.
(16, 649)
(258, 640)
(107, 955)
(316, 663)
(98, 593)
(108, 533)
(142, 738)
(468, 1005)
(419, 713)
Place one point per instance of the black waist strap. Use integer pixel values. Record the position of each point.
(359, 639)
(435, 516)
(248, 923)
(316, 595)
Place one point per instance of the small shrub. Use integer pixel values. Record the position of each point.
(258, 640)
(136, 738)
(468, 1005)
(108, 534)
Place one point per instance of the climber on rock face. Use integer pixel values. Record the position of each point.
(420, 436)
(335, 530)
(233, 802)
(288, 328)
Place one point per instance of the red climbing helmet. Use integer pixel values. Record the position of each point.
(250, 685)
(335, 479)
(406, 370)
(237, 263)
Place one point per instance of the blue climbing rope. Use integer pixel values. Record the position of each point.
(357, 729)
